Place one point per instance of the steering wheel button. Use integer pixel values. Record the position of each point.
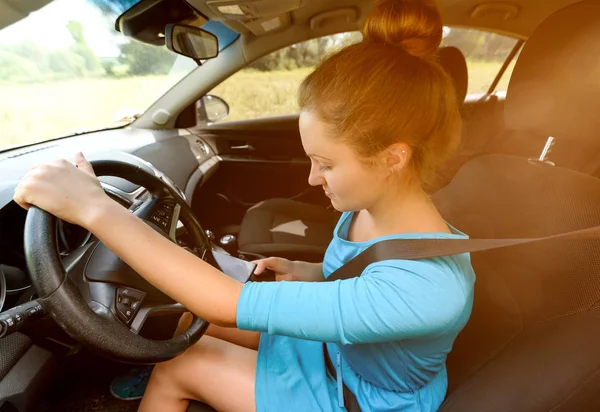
(19, 318)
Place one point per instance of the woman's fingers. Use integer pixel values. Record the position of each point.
(260, 267)
(273, 263)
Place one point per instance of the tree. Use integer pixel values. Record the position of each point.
(92, 63)
(14, 67)
(32, 52)
(67, 62)
(306, 54)
(144, 59)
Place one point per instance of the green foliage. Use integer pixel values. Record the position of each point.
(305, 54)
(76, 30)
(29, 62)
(81, 48)
(67, 63)
(15, 67)
(144, 59)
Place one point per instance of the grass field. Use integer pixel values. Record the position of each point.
(38, 112)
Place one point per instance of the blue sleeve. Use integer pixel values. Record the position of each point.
(388, 302)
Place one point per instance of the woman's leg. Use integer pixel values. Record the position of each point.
(218, 373)
(222, 362)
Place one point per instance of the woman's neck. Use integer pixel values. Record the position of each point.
(409, 210)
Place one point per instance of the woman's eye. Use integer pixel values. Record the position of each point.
(324, 168)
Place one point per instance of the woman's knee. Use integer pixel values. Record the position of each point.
(197, 359)
(204, 371)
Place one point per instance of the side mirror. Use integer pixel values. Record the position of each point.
(211, 109)
(191, 41)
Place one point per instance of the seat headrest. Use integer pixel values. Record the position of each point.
(555, 86)
(455, 64)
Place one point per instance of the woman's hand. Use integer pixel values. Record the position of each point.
(290, 270)
(283, 268)
(70, 192)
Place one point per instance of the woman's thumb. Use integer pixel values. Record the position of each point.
(82, 163)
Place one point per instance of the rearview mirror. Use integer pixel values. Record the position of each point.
(191, 41)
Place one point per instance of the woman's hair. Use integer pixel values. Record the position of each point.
(389, 88)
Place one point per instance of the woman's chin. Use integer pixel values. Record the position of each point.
(339, 207)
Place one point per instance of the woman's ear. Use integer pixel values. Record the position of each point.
(397, 157)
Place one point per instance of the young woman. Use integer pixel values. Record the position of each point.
(376, 120)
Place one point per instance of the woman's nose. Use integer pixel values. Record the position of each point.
(314, 177)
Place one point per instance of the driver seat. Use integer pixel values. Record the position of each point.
(532, 341)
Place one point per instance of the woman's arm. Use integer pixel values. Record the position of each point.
(389, 301)
(73, 193)
(189, 280)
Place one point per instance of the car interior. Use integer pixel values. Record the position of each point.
(528, 166)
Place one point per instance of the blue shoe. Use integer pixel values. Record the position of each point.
(132, 385)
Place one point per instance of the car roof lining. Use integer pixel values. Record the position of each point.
(455, 12)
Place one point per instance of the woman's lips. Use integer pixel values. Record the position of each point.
(328, 194)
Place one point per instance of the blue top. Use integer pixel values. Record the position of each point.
(388, 331)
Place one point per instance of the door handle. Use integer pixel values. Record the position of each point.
(246, 147)
(241, 145)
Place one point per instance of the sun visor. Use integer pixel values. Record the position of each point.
(146, 20)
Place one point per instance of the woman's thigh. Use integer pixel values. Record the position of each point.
(216, 372)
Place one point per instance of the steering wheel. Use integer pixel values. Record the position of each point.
(94, 296)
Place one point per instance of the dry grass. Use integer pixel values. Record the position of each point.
(43, 111)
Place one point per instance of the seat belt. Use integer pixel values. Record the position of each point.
(414, 249)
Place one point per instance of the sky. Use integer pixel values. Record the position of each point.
(47, 27)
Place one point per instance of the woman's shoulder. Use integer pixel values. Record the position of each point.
(444, 272)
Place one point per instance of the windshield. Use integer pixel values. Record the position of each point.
(64, 69)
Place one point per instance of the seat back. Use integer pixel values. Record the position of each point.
(554, 91)
(525, 295)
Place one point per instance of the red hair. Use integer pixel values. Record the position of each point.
(389, 88)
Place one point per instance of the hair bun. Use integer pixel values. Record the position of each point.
(412, 25)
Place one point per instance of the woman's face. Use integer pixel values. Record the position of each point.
(349, 183)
